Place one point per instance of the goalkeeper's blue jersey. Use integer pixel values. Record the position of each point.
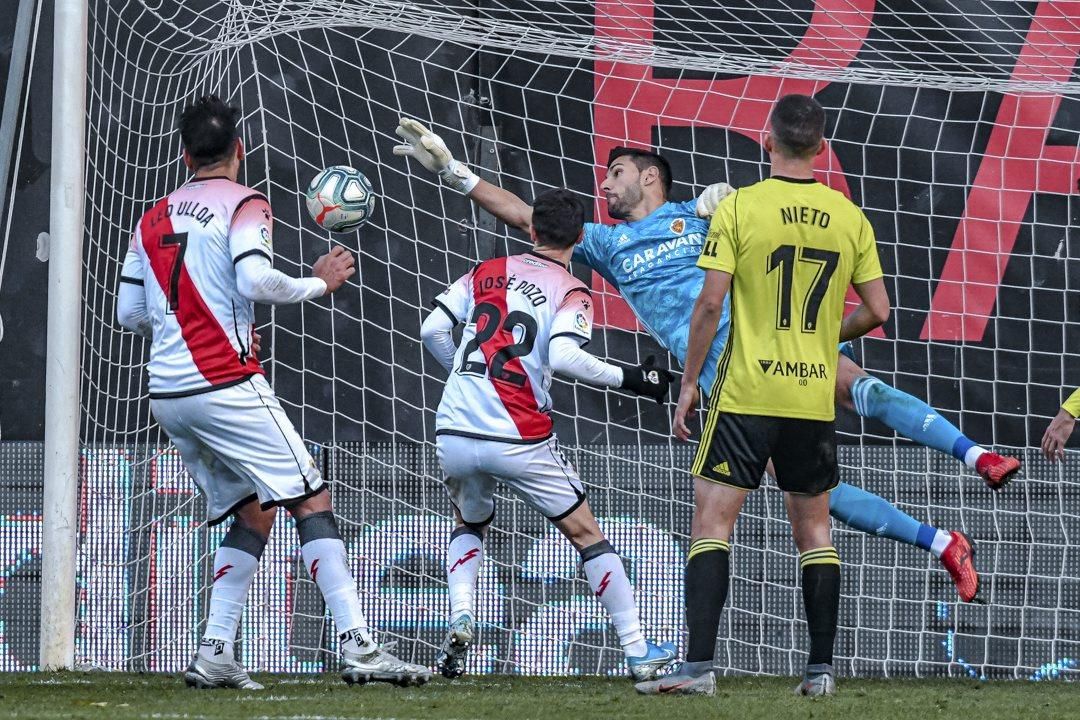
(652, 262)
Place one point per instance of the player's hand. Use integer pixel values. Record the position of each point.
(430, 150)
(648, 380)
(334, 268)
(688, 402)
(1056, 435)
(710, 198)
(256, 343)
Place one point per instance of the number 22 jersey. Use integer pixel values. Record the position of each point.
(512, 307)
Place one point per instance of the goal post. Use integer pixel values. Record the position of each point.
(955, 128)
(60, 517)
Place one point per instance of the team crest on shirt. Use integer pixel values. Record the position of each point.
(264, 233)
(581, 322)
(678, 225)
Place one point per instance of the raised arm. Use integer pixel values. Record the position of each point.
(430, 150)
(252, 248)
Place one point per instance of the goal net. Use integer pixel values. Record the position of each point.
(954, 123)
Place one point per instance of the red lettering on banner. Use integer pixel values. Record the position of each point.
(1017, 162)
(629, 101)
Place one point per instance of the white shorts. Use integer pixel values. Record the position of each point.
(539, 474)
(238, 445)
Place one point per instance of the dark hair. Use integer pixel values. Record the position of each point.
(798, 125)
(644, 159)
(208, 130)
(558, 218)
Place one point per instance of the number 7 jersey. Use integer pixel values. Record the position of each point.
(183, 254)
(512, 307)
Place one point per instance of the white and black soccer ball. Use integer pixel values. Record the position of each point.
(340, 199)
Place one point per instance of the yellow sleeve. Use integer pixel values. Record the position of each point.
(867, 264)
(720, 248)
(1072, 405)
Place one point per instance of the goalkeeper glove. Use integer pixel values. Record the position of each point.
(429, 150)
(647, 379)
(710, 198)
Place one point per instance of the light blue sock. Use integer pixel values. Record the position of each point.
(909, 416)
(875, 515)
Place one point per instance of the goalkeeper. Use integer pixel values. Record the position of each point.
(651, 259)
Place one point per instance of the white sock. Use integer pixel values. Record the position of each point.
(607, 578)
(234, 569)
(324, 556)
(972, 455)
(941, 541)
(463, 559)
(326, 563)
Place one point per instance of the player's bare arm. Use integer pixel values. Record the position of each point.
(873, 312)
(703, 323)
(1061, 428)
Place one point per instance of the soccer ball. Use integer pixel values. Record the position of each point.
(340, 199)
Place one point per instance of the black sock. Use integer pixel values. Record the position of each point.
(706, 588)
(821, 595)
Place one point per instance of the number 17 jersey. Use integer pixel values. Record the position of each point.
(792, 247)
(512, 307)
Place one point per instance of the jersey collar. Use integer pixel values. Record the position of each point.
(545, 257)
(800, 181)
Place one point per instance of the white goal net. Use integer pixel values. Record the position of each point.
(954, 123)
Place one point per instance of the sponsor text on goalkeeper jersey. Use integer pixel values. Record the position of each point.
(652, 262)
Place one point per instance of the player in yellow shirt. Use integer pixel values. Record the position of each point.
(1060, 428)
(787, 248)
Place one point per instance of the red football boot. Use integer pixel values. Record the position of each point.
(997, 470)
(959, 560)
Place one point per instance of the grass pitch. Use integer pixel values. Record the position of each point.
(116, 696)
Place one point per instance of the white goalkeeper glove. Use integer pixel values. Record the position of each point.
(710, 198)
(429, 150)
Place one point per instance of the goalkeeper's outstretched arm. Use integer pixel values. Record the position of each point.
(430, 150)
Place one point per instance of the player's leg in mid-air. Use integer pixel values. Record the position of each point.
(911, 417)
(245, 455)
(545, 480)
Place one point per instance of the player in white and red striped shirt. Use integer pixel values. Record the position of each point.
(524, 316)
(198, 261)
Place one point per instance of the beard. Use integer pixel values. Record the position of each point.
(620, 208)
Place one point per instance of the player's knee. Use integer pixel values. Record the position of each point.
(847, 373)
(810, 536)
(256, 519)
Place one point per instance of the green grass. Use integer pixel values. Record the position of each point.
(109, 696)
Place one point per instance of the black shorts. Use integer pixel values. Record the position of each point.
(735, 449)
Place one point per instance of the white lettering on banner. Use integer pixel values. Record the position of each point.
(656, 567)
